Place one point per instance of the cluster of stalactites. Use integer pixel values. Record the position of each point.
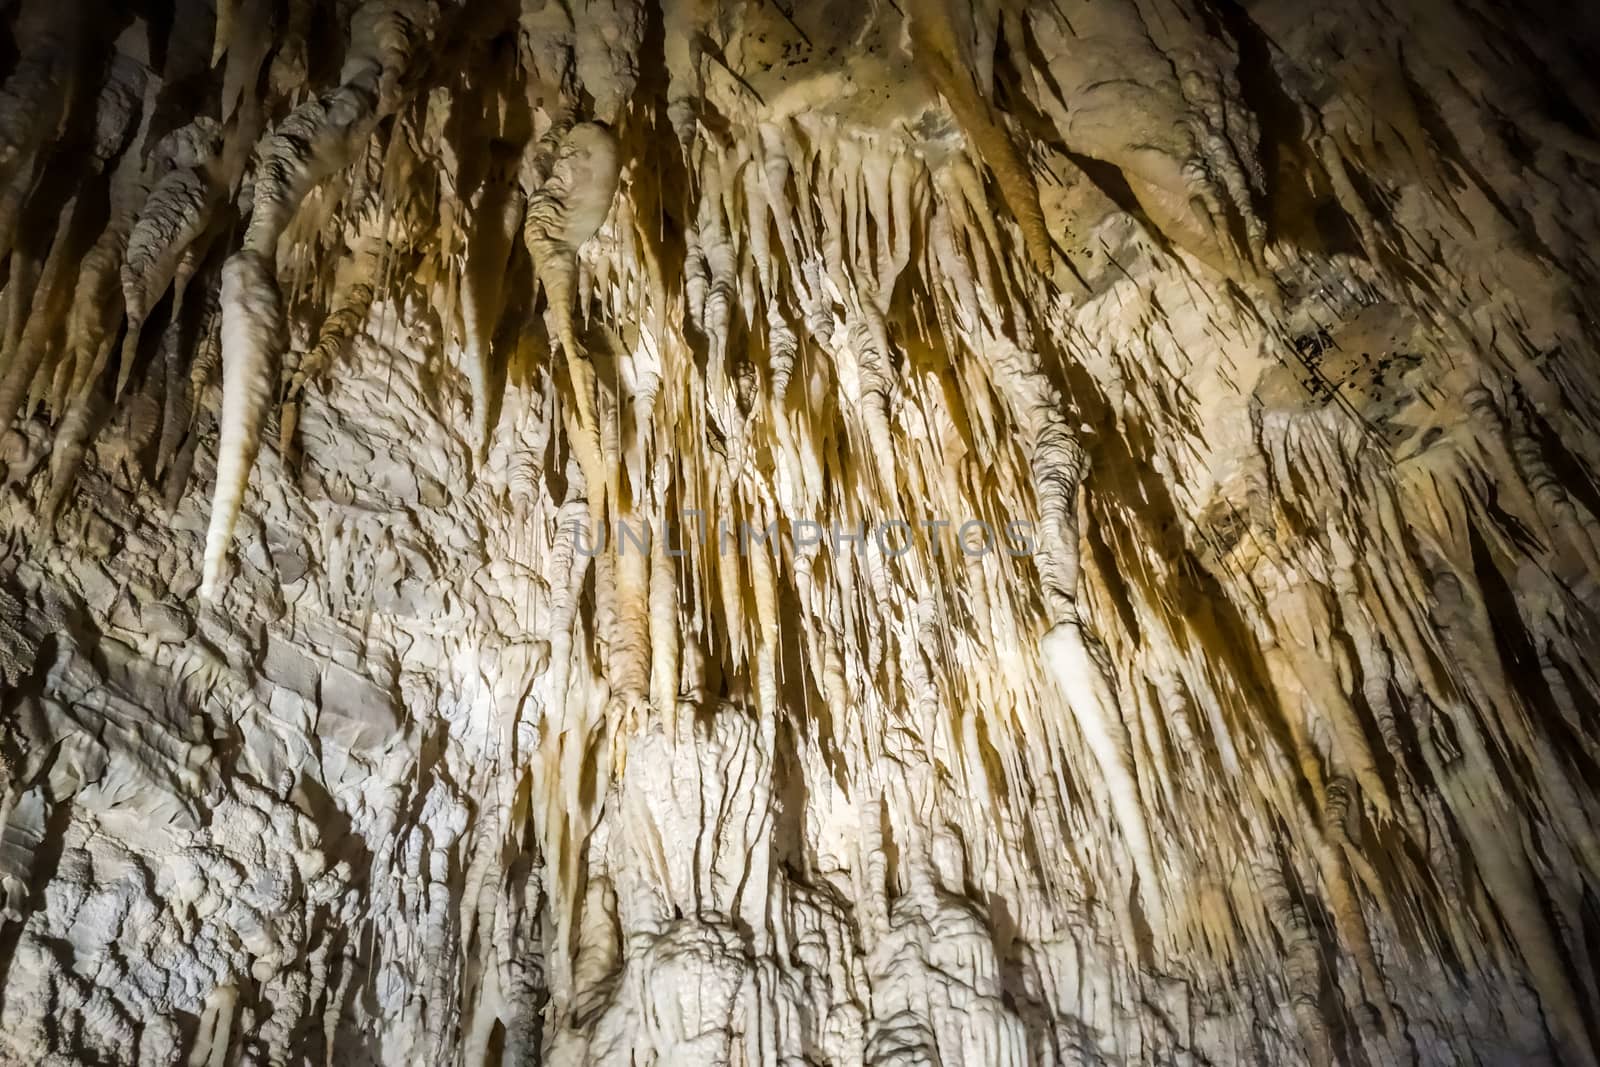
(176, 203)
(841, 293)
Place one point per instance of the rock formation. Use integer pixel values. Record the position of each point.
(849, 532)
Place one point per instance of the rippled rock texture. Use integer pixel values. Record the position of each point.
(757, 532)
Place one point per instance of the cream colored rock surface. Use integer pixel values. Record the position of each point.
(334, 333)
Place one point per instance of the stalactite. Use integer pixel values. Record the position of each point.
(30, 355)
(499, 212)
(173, 217)
(940, 51)
(564, 212)
(251, 347)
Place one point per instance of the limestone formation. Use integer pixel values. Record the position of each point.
(775, 532)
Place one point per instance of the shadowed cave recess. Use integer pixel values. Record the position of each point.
(1224, 373)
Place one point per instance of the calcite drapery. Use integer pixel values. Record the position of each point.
(1122, 555)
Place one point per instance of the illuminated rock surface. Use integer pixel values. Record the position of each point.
(334, 332)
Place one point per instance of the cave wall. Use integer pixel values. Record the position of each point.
(348, 347)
